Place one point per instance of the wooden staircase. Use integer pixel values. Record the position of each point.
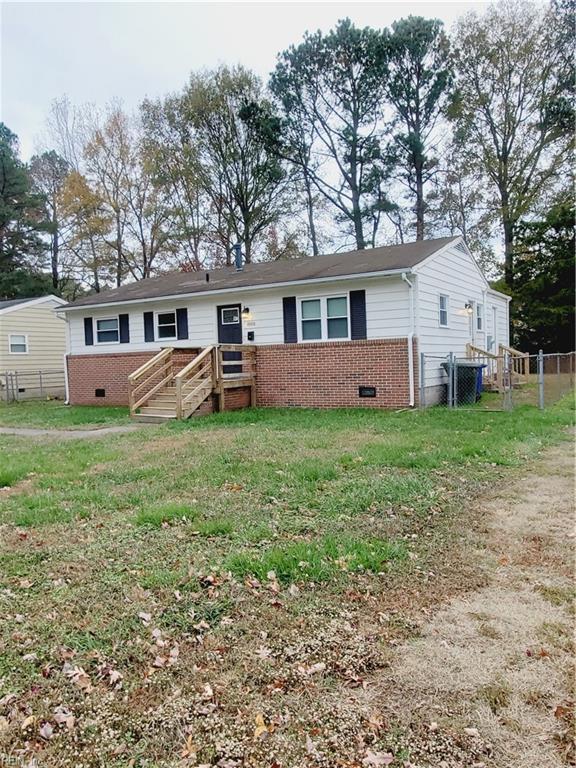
(158, 392)
(507, 369)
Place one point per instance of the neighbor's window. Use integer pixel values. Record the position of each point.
(479, 317)
(166, 325)
(325, 318)
(18, 344)
(107, 331)
(230, 316)
(443, 310)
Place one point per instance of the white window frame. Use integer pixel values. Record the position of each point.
(227, 309)
(99, 319)
(156, 326)
(21, 335)
(440, 310)
(323, 316)
(479, 315)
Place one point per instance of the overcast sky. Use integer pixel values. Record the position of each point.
(95, 52)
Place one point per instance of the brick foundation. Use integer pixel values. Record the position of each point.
(320, 375)
(328, 375)
(86, 373)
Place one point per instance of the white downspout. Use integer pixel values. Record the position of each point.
(410, 340)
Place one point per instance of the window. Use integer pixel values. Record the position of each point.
(337, 317)
(166, 325)
(443, 310)
(230, 316)
(18, 344)
(479, 317)
(325, 318)
(107, 331)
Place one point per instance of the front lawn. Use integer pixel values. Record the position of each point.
(215, 592)
(54, 414)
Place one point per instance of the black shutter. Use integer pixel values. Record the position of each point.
(182, 323)
(88, 332)
(124, 324)
(290, 324)
(358, 314)
(148, 326)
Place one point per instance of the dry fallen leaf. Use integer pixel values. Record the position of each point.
(46, 731)
(261, 727)
(378, 758)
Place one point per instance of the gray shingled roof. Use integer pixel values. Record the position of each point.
(390, 257)
(13, 302)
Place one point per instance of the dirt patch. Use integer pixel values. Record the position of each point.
(497, 663)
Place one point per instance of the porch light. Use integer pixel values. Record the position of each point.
(245, 311)
(468, 307)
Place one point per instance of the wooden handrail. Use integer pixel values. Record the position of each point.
(152, 391)
(149, 364)
(472, 351)
(149, 379)
(193, 363)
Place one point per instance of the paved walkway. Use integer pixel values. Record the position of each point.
(70, 434)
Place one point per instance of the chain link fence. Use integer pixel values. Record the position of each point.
(32, 385)
(496, 382)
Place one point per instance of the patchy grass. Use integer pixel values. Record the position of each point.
(149, 555)
(54, 414)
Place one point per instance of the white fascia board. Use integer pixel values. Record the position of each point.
(494, 292)
(25, 304)
(249, 288)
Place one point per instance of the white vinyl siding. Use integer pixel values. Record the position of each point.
(387, 314)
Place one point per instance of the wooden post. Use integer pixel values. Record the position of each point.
(178, 399)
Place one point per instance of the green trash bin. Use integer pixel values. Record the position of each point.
(466, 380)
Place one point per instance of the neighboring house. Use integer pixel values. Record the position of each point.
(336, 330)
(32, 348)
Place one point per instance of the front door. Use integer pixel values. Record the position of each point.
(230, 332)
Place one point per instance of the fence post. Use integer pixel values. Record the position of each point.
(41, 385)
(541, 380)
(455, 382)
(508, 382)
(422, 380)
(450, 379)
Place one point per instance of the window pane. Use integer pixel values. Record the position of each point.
(443, 317)
(166, 331)
(337, 307)
(337, 328)
(311, 329)
(108, 325)
(106, 336)
(311, 309)
(17, 339)
(167, 318)
(18, 343)
(230, 316)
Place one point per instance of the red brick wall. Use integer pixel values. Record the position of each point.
(86, 373)
(328, 374)
(322, 375)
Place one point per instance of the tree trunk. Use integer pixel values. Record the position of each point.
(419, 201)
(310, 210)
(118, 251)
(54, 257)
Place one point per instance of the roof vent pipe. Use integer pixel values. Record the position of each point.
(237, 248)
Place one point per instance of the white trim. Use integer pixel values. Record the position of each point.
(103, 319)
(323, 299)
(451, 244)
(22, 335)
(494, 292)
(165, 312)
(240, 289)
(447, 323)
(235, 307)
(32, 303)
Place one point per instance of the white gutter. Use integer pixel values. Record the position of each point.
(238, 289)
(410, 340)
